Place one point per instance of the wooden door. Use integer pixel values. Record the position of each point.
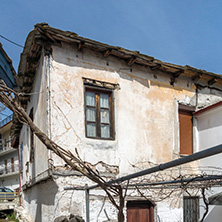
(140, 211)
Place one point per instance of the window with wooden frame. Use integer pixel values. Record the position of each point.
(190, 209)
(99, 113)
(186, 131)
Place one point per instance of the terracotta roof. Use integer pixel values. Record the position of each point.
(43, 36)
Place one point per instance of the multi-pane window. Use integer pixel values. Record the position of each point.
(98, 113)
(190, 209)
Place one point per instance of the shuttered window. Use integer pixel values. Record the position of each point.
(98, 113)
(186, 132)
(190, 209)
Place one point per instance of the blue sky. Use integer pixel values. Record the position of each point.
(181, 32)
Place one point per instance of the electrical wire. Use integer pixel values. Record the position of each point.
(11, 41)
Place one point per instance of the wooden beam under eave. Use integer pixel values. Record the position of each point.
(107, 53)
(81, 45)
(174, 77)
(131, 60)
(177, 74)
(212, 81)
(196, 77)
(155, 67)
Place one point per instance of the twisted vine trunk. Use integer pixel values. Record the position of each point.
(7, 97)
(121, 206)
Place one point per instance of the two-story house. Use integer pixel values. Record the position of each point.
(115, 106)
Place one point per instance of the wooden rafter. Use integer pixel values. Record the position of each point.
(107, 53)
(131, 60)
(212, 81)
(196, 77)
(175, 76)
(81, 45)
(155, 67)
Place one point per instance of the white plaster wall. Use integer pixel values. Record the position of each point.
(144, 110)
(209, 134)
(11, 182)
(39, 103)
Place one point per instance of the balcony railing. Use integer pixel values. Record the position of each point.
(5, 145)
(6, 120)
(9, 169)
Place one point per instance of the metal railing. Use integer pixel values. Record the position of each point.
(6, 120)
(9, 197)
(9, 169)
(5, 145)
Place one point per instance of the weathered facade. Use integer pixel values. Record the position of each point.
(114, 105)
(208, 124)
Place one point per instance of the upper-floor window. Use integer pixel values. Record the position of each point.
(186, 132)
(99, 113)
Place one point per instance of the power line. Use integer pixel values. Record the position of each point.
(11, 41)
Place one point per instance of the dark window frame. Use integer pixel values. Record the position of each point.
(193, 209)
(98, 91)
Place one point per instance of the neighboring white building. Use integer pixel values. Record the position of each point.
(114, 105)
(9, 165)
(208, 127)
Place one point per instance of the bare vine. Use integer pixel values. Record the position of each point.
(11, 100)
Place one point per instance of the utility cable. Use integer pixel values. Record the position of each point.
(11, 41)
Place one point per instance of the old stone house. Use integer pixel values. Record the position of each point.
(126, 109)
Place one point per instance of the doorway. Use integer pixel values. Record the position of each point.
(140, 211)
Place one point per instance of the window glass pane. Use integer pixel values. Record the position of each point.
(90, 99)
(191, 207)
(105, 131)
(104, 100)
(104, 116)
(90, 114)
(91, 130)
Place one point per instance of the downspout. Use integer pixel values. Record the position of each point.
(48, 91)
(87, 202)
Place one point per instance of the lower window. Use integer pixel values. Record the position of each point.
(190, 209)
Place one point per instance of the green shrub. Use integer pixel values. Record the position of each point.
(12, 217)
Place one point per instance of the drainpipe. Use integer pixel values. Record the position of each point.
(20, 183)
(87, 202)
(46, 71)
